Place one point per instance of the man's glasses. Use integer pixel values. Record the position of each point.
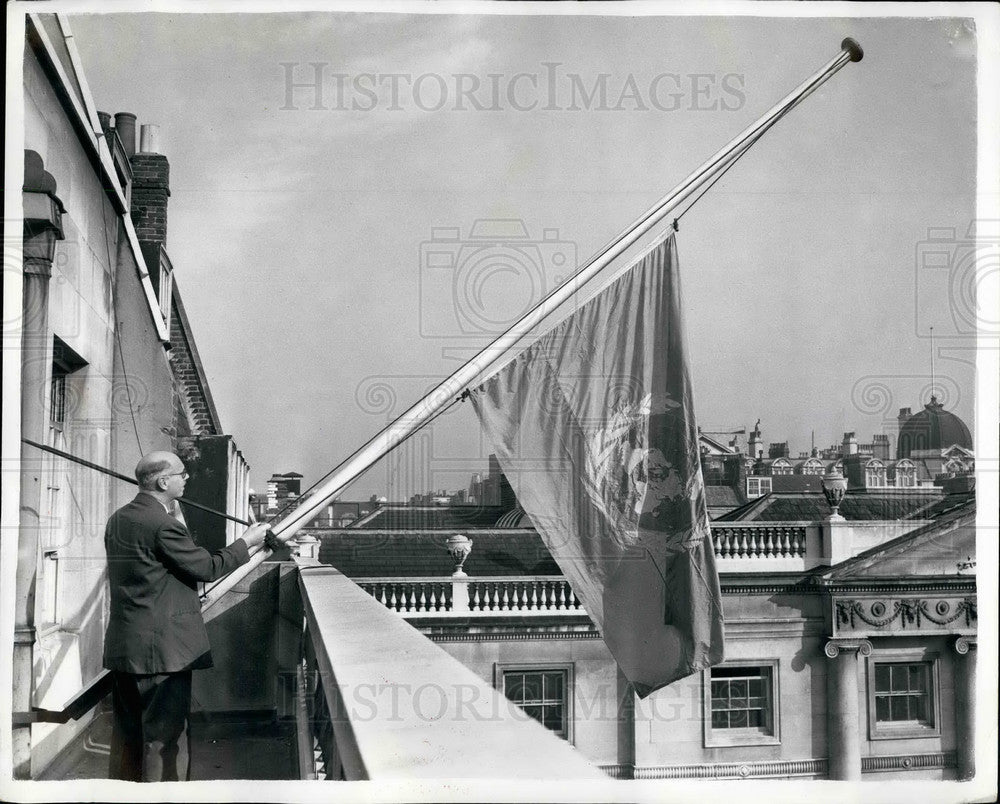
(183, 475)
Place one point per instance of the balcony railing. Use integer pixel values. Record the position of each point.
(482, 596)
(759, 541)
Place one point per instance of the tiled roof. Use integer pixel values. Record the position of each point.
(450, 517)
(365, 554)
(796, 483)
(189, 373)
(946, 505)
(722, 497)
(857, 505)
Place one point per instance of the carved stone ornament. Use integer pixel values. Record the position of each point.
(834, 489)
(459, 547)
(833, 648)
(903, 614)
(964, 644)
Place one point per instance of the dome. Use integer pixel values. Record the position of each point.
(932, 428)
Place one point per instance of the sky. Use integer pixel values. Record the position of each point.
(321, 163)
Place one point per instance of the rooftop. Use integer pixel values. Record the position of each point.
(361, 554)
(433, 517)
(858, 505)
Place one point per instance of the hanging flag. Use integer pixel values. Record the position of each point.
(593, 425)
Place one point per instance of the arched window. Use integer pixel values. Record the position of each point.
(874, 474)
(906, 474)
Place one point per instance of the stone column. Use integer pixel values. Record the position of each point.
(842, 713)
(965, 706)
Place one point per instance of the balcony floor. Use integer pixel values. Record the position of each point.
(228, 747)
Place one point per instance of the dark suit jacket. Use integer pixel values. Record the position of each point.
(153, 570)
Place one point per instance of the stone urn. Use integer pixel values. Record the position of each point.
(834, 489)
(459, 547)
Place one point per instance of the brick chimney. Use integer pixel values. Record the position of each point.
(849, 445)
(150, 189)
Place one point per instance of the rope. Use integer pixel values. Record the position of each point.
(465, 393)
(118, 334)
(119, 476)
(733, 161)
(292, 503)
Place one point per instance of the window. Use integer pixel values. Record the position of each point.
(758, 486)
(905, 474)
(902, 697)
(542, 692)
(61, 397)
(57, 399)
(874, 475)
(741, 705)
(166, 289)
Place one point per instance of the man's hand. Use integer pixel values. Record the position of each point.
(254, 535)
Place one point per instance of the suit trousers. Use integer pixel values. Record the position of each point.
(149, 736)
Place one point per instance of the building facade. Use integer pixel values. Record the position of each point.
(850, 637)
(109, 371)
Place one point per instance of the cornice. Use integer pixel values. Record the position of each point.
(783, 768)
(507, 634)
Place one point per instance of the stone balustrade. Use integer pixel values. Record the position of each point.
(544, 594)
(485, 596)
(759, 541)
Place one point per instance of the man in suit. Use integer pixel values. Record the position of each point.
(156, 635)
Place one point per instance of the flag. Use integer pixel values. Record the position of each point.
(594, 427)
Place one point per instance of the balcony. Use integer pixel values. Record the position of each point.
(318, 678)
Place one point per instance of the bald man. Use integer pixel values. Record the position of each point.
(156, 635)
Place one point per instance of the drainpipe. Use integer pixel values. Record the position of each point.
(42, 228)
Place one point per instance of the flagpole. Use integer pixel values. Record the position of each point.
(450, 389)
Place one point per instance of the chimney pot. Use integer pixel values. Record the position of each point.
(125, 126)
(149, 139)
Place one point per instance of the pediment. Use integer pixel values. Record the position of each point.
(944, 547)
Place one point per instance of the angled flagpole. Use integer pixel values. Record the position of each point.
(498, 351)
